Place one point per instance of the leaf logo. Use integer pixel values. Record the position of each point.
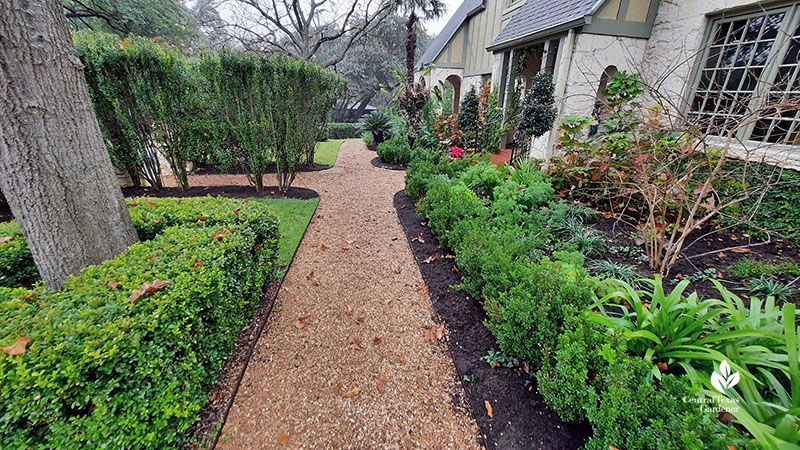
(724, 379)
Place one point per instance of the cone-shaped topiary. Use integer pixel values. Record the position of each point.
(538, 107)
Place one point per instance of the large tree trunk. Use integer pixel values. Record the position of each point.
(54, 167)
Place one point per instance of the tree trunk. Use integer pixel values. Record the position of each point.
(54, 167)
(411, 48)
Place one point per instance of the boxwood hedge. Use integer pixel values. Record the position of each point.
(105, 369)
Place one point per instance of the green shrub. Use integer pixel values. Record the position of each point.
(104, 369)
(469, 117)
(528, 319)
(342, 131)
(16, 262)
(448, 203)
(483, 178)
(631, 413)
(426, 165)
(369, 141)
(396, 150)
(538, 108)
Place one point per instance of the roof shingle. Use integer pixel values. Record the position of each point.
(539, 15)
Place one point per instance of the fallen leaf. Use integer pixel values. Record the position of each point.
(387, 301)
(197, 263)
(221, 233)
(338, 388)
(399, 360)
(734, 237)
(4, 239)
(18, 347)
(449, 257)
(741, 250)
(399, 269)
(323, 247)
(381, 383)
(355, 343)
(662, 366)
(424, 289)
(404, 205)
(310, 276)
(237, 212)
(147, 288)
(246, 201)
(430, 259)
(489, 409)
(152, 258)
(419, 239)
(344, 249)
(302, 321)
(216, 395)
(352, 393)
(113, 284)
(377, 341)
(202, 218)
(283, 438)
(611, 447)
(455, 269)
(28, 297)
(722, 255)
(435, 333)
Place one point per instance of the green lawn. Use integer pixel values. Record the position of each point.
(327, 151)
(294, 215)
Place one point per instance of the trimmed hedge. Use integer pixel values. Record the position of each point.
(16, 262)
(106, 370)
(342, 131)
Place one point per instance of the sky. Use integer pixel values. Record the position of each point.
(435, 26)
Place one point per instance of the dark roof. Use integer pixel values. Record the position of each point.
(467, 8)
(537, 16)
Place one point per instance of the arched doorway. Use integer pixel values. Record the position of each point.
(600, 102)
(455, 81)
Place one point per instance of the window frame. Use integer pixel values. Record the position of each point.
(785, 33)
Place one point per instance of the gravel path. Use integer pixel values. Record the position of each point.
(351, 357)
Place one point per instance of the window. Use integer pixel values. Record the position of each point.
(749, 64)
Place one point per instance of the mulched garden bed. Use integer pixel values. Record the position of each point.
(521, 419)
(271, 168)
(384, 165)
(232, 191)
(718, 250)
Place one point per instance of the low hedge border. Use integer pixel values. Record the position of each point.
(104, 368)
(342, 131)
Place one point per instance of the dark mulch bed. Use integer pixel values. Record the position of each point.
(715, 249)
(233, 191)
(384, 165)
(521, 420)
(202, 169)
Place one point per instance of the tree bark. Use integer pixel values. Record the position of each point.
(411, 49)
(54, 167)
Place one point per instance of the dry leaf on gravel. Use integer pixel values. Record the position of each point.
(352, 393)
(424, 289)
(377, 341)
(489, 409)
(302, 321)
(355, 343)
(283, 438)
(435, 333)
(310, 276)
(387, 301)
(400, 360)
(381, 383)
(18, 347)
(398, 270)
(323, 247)
(147, 288)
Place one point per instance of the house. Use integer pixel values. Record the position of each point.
(705, 55)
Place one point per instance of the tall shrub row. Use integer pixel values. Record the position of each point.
(244, 110)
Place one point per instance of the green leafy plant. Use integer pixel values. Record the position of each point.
(469, 118)
(16, 262)
(751, 268)
(497, 358)
(538, 110)
(768, 287)
(396, 150)
(612, 269)
(378, 123)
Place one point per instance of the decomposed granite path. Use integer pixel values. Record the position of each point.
(350, 356)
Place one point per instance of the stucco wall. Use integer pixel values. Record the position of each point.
(593, 53)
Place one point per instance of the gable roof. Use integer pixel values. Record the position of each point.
(537, 16)
(467, 8)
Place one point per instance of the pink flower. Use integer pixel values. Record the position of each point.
(456, 152)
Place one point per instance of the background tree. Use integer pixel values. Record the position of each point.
(368, 66)
(169, 19)
(538, 108)
(301, 29)
(54, 167)
(468, 117)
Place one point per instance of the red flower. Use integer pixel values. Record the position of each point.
(456, 152)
